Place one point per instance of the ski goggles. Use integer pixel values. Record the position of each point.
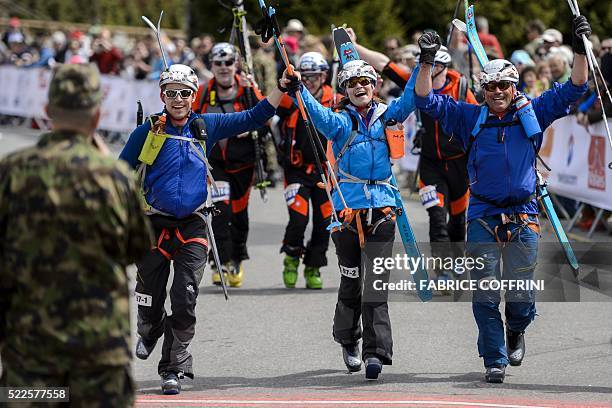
(501, 85)
(227, 63)
(363, 81)
(173, 93)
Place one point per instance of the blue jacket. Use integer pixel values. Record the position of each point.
(367, 157)
(501, 159)
(176, 181)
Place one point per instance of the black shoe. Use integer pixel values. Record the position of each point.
(143, 350)
(350, 355)
(171, 383)
(373, 367)
(515, 347)
(495, 374)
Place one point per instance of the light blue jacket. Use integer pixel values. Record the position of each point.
(367, 157)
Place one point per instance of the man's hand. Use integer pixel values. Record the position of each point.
(581, 27)
(290, 84)
(429, 43)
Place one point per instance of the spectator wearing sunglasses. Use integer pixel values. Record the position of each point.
(501, 151)
(232, 161)
(169, 152)
(358, 134)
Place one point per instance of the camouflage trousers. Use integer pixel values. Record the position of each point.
(88, 387)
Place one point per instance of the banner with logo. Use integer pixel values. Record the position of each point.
(579, 160)
(24, 93)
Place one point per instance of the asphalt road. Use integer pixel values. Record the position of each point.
(270, 346)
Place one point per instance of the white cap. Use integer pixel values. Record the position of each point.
(294, 25)
(552, 35)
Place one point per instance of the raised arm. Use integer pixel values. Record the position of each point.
(329, 123)
(400, 108)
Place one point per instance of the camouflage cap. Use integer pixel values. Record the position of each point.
(75, 87)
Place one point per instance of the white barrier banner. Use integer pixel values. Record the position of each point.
(23, 92)
(579, 160)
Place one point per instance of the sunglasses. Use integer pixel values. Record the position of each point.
(363, 81)
(173, 93)
(310, 78)
(220, 63)
(502, 85)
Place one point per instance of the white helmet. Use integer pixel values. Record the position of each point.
(355, 69)
(312, 63)
(223, 51)
(179, 74)
(498, 70)
(442, 56)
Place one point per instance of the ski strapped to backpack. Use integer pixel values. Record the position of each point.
(531, 126)
(268, 28)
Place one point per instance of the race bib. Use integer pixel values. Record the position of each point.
(222, 193)
(349, 272)
(143, 300)
(429, 196)
(290, 192)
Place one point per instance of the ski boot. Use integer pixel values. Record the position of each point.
(495, 374)
(290, 272)
(171, 383)
(350, 355)
(515, 346)
(373, 367)
(313, 278)
(216, 277)
(236, 272)
(143, 350)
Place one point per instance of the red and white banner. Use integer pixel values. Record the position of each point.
(23, 92)
(579, 160)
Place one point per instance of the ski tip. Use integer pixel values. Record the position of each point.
(460, 25)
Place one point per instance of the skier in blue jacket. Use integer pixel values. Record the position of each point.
(169, 151)
(501, 143)
(358, 135)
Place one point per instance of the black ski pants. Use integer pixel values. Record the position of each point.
(182, 243)
(308, 196)
(358, 300)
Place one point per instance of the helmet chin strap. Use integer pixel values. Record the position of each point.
(441, 71)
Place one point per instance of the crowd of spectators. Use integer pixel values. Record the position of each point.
(545, 58)
(542, 60)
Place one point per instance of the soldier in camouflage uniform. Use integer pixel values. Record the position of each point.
(70, 223)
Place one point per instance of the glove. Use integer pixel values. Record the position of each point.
(430, 44)
(581, 27)
(293, 87)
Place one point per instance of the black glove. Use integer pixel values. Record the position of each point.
(293, 86)
(581, 27)
(430, 44)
